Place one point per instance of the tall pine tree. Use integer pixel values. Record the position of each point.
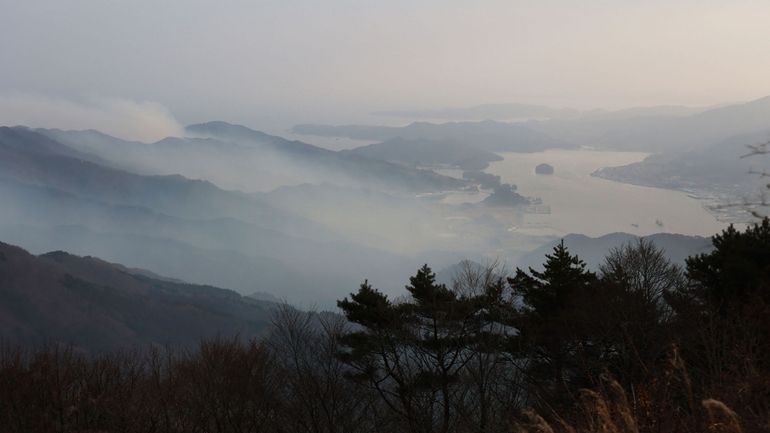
(416, 354)
(550, 325)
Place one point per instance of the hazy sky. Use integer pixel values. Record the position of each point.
(331, 60)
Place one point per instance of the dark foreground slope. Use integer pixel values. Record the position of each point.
(96, 305)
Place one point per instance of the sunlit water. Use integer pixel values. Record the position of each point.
(581, 203)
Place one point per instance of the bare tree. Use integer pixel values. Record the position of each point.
(317, 395)
(491, 382)
(642, 267)
(226, 386)
(759, 206)
(472, 279)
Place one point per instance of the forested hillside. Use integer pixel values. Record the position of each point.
(95, 306)
(642, 345)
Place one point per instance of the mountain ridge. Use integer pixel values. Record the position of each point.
(95, 305)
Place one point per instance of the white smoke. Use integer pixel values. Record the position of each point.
(131, 120)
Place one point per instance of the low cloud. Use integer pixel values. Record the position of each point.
(132, 120)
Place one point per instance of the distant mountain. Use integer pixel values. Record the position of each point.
(520, 112)
(240, 158)
(223, 252)
(718, 167)
(428, 152)
(593, 250)
(637, 112)
(184, 228)
(21, 140)
(508, 111)
(227, 164)
(242, 134)
(487, 135)
(327, 165)
(652, 129)
(97, 306)
(660, 131)
(32, 158)
(176, 259)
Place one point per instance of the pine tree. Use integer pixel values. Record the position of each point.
(724, 313)
(545, 293)
(550, 324)
(415, 353)
(737, 271)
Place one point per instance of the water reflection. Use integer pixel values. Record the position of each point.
(581, 203)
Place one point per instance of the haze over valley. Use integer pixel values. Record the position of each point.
(230, 206)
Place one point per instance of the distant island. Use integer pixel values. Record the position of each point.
(505, 195)
(544, 169)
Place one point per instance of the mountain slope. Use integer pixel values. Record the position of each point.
(717, 174)
(35, 160)
(226, 238)
(38, 160)
(95, 305)
(221, 251)
(336, 167)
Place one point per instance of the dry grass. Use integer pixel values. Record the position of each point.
(624, 410)
(721, 419)
(597, 411)
(609, 411)
(532, 423)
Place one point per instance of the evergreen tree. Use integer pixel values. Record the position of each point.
(552, 321)
(545, 293)
(723, 316)
(737, 271)
(415, 354)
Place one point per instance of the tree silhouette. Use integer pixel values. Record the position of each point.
(551, 323)
(417, 354)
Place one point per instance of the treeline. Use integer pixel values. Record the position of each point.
(641, 346)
